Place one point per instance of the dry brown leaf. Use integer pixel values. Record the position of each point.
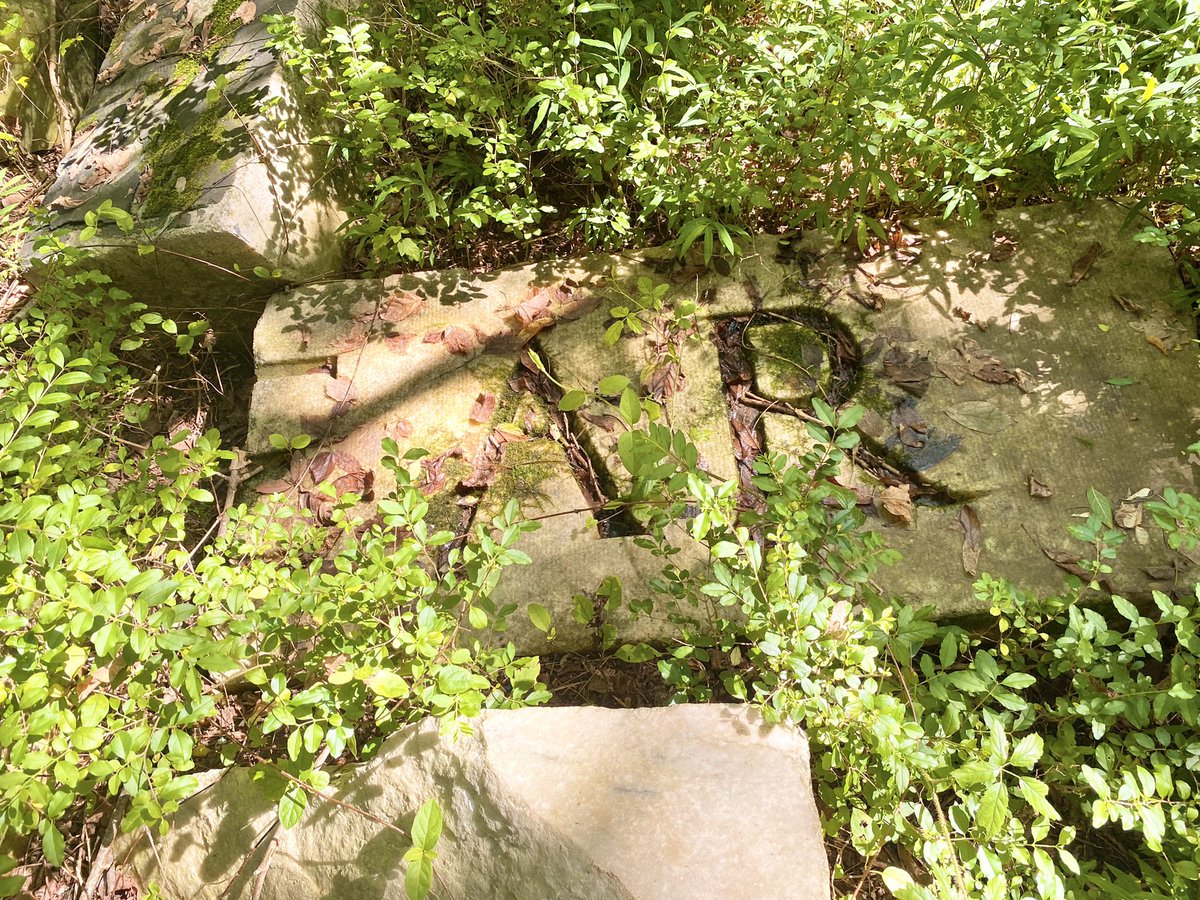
(245, 13)
(322, 466)
(274, 486)
(897, 502)
(968, 522)
(459, 340)
(1158, 344)
(400, 305)
(398, 430)
(909, 371)
(1128, 515)
(1068, 562)
(355, 339)
(67, 202)
(1128, 305)
(663, 379)
(1083, 265)
(341, 390)
(1038, 488)
(483, 408)
(399, 343)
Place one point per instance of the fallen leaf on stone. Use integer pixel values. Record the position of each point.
(359, 482)
(274, 486)
(1068, 562)
(245, 13)
(535, 310)
(979, 415)
(968, 523)
(342, 390)
(1083, 265)
(1141, 536)
(611, 424)
(354, 339)
(1128, 515)
(399, 343)
(1038, 488)
(143, 186)
(398, 430)
(663, 379)
(952, 365)
(1128, 305)
(991, 370)
(1004, 245)
(434, 471)
(483, 408)
(1158, 344)
(322, 466)
(106, 166)
(897, 502)
(1138, 496)
(400, 305)
(456, 340)
(1024, 381)
(912, 438)
(909, 371)
(67, 203)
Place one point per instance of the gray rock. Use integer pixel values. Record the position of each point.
(678, 802)
(986, 357)
(197, 130)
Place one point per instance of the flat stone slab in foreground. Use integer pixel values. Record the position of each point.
(567, 803)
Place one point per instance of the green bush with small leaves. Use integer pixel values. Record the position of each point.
(130, 634)
(1054, 752)
(601, 124)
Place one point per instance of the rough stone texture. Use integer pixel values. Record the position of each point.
(1008, 348)
(42, 98)
(1061, 421)
(677, 802)
(220, 179)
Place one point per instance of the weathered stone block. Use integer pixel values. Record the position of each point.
(197, 130)
(574, 804)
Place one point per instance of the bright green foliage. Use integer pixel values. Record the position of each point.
(613, 122)
(126, 630)
(1010, 760)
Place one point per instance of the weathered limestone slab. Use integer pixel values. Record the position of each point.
(42, 97)
(1006, 368)
(197, 131)
(570, 803)
(1043, 363)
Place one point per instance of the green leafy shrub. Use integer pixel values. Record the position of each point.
(137, 648)
(607, 123)
(1051, 753)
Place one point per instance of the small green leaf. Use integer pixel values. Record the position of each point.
(993, 810)
(1120, 382)
(572, 400)
(292, 805)
(427, 826)
(612, 385)
(540, 617)
(54, 845)
(630, 406)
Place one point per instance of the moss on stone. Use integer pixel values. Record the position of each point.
(179, 152)
(186, 71)
(790, 360)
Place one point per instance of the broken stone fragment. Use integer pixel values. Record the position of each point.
(569, 803)
(199, 133)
